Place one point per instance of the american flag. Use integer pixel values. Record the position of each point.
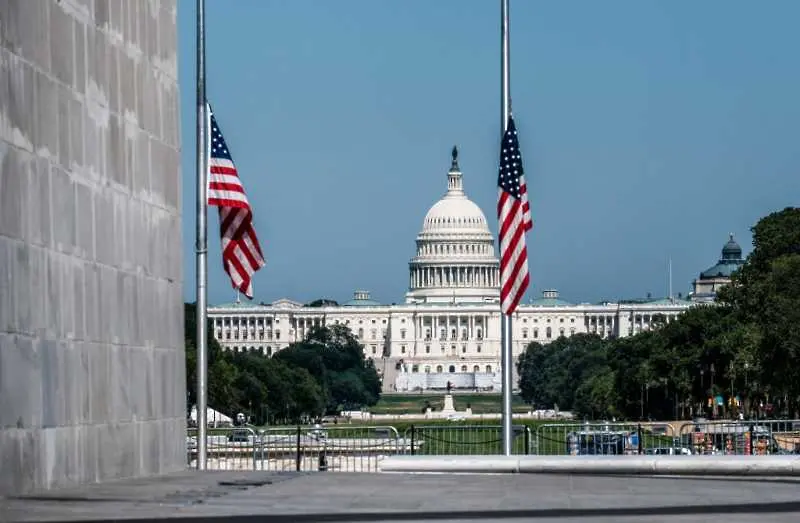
(241, 253)
(514, 215)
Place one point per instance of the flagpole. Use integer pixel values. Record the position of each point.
(506, 355)
(201, 247)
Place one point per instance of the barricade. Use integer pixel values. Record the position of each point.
(741, 437)
(229, 448)
(314, 448)
(327, 448)
(554, 439)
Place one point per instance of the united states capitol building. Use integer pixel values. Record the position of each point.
(448, 328)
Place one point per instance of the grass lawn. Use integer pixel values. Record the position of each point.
(416, 403)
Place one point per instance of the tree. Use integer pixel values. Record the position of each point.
(765, 296)
(335, 358)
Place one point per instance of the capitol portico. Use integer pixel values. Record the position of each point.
(448, 329)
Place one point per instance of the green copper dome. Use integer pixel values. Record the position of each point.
(730, 261)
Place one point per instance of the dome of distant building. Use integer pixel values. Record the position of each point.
(719, 275)
(455, 259)
(730, 260)
(361, 299)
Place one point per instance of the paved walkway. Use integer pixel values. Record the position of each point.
(342, 497)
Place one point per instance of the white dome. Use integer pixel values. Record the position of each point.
(455, 260)
(455, 214)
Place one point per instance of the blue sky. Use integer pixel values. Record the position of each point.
(648, 129)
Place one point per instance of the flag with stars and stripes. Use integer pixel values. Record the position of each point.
(514, 216)
(241, 253)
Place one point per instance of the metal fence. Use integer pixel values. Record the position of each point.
(355, 448)
(343, 448)
(752, 437)
(443, 440)
(603, 438)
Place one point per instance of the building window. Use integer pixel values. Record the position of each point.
(549, 333)
(438, 368)
(402, 334)
(427, 349)
(476, 369)
(525, 334)
(561, 331)
(463, 349)
(277, 335)
(373, 334)
(427, 369)
(360, 333)
(402, 349)
(488, 368)
(415, 368)
(478, 348)
(374, 350)
(463, 368)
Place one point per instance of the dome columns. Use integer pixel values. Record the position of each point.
(485, 276)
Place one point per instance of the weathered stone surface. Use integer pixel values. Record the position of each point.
(91, 355)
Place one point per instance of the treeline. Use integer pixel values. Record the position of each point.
(744, 349)
(325, 373)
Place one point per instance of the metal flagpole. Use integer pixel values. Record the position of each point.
(506, 359)
(201, 247)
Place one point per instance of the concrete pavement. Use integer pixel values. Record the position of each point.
(343, 497)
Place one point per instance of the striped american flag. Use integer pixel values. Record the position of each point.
(514, 216)
(241, 253)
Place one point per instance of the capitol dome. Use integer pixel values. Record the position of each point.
(455, 259)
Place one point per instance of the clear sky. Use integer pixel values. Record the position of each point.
(648, 129)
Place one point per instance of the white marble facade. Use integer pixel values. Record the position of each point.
(448, 329)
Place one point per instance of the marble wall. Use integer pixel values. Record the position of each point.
(92, 377)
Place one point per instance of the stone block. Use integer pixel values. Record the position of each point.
(46, 128)
(17, 101)
(13, 190)
(62, 45)
(78, 279)
(76, 112)
(91, 302)
(20, 382)
(36, 206)
(140, 174)
(7, 313)
(114, 151)
(63, 121)
(84, 219)
(102, 13)
(105, 247)
(21, 269)
(20, 37)
(81, 56)
(63, 204)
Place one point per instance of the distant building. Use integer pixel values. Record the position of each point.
(448, 329)
(705, 287)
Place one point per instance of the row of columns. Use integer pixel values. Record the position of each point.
(474, 324)
(458, 276)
